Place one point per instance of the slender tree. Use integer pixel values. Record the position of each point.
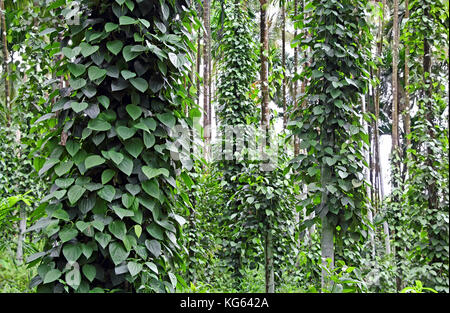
(206, 76)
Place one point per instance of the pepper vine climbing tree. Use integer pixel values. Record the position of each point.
(329, 127)
(111, 221)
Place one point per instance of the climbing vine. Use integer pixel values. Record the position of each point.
(111, 222)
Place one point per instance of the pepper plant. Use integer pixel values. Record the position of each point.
(329, 125)
(111, 221)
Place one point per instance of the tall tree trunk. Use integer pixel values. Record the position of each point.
(395, 79)
(206, 78)
(6, 60)
(296, 139)
(367, 178)
(431, 185)
(395, 140)
(406, 113)
(283, 60)
(198, 64)
(264, 39)
(378, 166)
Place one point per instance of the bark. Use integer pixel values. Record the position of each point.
(283, 60)
(367, 177)
(198, 63)
(431, 187)
(406, 113)
(206, 78)
(395, 80)
(22, 229)
(6, 60)
(327, 249)
(378, 167)
(296, 139)
(328, 229)
(268, 240)
(270, 278)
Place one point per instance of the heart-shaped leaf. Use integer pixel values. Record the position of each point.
(95, 72)
(114, 46)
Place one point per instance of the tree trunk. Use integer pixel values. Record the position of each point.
(296, 139)
(395, 80)
(268, 242)
(283, 61)
(270, 278)
(206, 74)
(406, 113)
(22, 229)
(327, 250)
(6, 60)
(367, 177)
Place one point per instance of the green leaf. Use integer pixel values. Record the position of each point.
(140, 84)
(79, 106)
(138, 230)
(354, 130)
(156, 231)
(87, 49)
(127, 74)
(70, 53)
(99, 125)
(76, 69)
(118, 253)
(77, 83)
(134, 268)
(342, 174)
(107, 175)
(151, 187)
(125, 132)
(73, 278)
(134, 147)
(134, 111)
(72, 147)
(93, 160)
(72, 252)
(121, 213)
(52, 275)
(103, 239)
(167, 119)
(64, 182)
(114, 46)
(154, 247)
(126, 20)
(67, 233)
(75, 193)
(129, 55)
(118, 229)
(89, 271)
(63, 168)
(109, 27)
(152, 172)
(149, 140)
(126, 166)
(117, 157)
(61, 214)
(104, 101)
(107, 193)
(95, 72)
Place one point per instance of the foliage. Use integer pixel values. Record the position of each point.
(329, 127)
(110, 208)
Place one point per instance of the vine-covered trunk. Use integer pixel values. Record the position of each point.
(296, 139)
(5, 61)
(270, 277)
(206, 76)
(283, 61)
(406, 111)
(327, 250)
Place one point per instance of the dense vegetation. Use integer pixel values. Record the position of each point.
(224, 146)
